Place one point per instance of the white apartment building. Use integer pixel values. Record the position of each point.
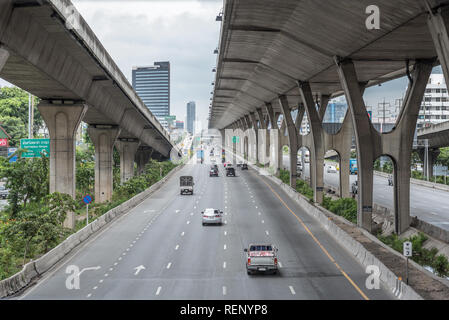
(435, 105)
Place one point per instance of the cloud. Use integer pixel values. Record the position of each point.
(138, 33)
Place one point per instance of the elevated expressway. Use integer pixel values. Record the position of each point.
(48, 49)
(275, 57)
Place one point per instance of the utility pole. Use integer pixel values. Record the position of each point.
(382, 105)
(30, 115)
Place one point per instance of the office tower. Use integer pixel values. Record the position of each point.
(152, 84)
(191, 116)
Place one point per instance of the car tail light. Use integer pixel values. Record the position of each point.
(275, 260)
(217, 216)
(249, 261)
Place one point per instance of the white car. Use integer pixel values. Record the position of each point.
(212, 216)
(331, 169)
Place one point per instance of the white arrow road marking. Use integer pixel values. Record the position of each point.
(89, 268)
(292, 290)
(138, 269)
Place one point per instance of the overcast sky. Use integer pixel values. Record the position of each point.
(139, 32)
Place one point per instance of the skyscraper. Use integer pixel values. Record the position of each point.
(191, 116)
(152, 85)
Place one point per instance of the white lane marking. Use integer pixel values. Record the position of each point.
(259, 213)
(116, 263)
(177, 211)
(134, 241)
(89, 295)
(124, 253)
(263, 221)
(182, 234)
(127, 249)
(120, 258)
(224, 265)
(95, 288)
(224, 290)
(158, 290)
(266, 231)
(225, 233)
(292, 290)
(101, 281)
(106, 275)
(177, 247)
(256, 207)
(224, 247)
(194, 207)
(111, 269)
(188, 222)
(226, 222)
(169, 265)
(191, 213)
(279, 264)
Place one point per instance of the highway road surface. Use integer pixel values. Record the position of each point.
(427, 204)
(160, 250)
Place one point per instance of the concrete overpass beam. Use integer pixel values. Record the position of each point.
(62, 121)
(364, 141)
(103, 138)
(292, 138)
(127, 149)
(271, 116)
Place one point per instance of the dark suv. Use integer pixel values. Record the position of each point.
(213, 172)
(245, 166)
(230, 172)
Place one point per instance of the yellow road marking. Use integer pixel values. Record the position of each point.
(319, 244)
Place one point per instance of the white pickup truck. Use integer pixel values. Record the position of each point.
(261, 258)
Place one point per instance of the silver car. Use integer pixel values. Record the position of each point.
(212, 216)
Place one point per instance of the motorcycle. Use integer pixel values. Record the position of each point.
(390, 181)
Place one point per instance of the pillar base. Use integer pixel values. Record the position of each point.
(127, 149)
(103, 138)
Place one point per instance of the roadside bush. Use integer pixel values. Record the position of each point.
(422, 256)
(345, 207)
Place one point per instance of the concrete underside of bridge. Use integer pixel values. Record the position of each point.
(274, 59)
(47, 49)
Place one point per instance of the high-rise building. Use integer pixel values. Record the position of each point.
(152, 85)
(435, 105)
(180, 124)
(191, 114)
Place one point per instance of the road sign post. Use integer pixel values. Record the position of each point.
(408, 252)
(87, 199)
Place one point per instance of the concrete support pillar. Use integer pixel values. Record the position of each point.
(429, 161)
(292, 138)
(317, 149)
(4, 55)
(255, 142)
(229, 133)
(264, 138)
(344, 175)
(397, 144)
(324, 100)
(103, 138)
(127, 149)
(275, 156)
(62, 121)
(364, 141)
(143, 155)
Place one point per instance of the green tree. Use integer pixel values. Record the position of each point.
(14, 114)
(27, 180)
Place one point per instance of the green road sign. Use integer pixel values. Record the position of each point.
(35, 147)
(235, 139)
